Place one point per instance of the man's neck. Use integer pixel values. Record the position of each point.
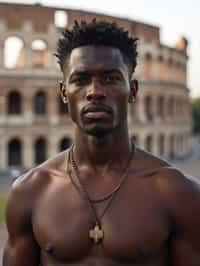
(98, 152)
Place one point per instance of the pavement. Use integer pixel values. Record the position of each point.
(190, 168)
(4, 185)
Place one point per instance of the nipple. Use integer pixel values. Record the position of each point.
(49, 248)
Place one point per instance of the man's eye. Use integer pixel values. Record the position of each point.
(111, 78)
(80, 80)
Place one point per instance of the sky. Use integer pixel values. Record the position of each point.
(175, 19)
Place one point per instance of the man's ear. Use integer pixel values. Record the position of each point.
(63, 91)
(133, 90)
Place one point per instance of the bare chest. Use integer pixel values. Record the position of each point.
(134, 227)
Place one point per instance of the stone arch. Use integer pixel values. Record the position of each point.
(148, 65)
(161, 144)
(40, 103)
(14, 52)
(183, 106)
(64, 143)
(40, 53)
(14, 152)
(178, 107)
(186, 142)
(14, 103)
(171, 106)
(170, 65)
(62, 107)
(160, 67)
(181, 138)
(40, 148)
(149, 143)
(161, 106)
(172, 146)
(148, 102)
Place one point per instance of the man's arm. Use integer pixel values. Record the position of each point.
(181, 195)
(21, 248)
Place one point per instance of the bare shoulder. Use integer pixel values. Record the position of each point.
(180, 194)
(174, 186)
(29, 182)
(27, 189)
(171, 180)
(146, 163)
(22, 195)
(35, 179)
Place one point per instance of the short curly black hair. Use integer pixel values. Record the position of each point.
(97, 33)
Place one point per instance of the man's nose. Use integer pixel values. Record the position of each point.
(95, 91)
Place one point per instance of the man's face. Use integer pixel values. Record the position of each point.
(97, 88)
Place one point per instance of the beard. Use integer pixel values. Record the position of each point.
(97, 131)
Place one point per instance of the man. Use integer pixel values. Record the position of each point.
(104, 201)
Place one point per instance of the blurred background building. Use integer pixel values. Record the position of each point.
(34, 123)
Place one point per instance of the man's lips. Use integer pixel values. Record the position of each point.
(97, 112)
(97, 115)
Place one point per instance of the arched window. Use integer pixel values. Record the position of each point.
(14, 103)
(148, 108)
(161, 144)
(181, 138)
(182, 106)
(60, 18)
(64, 144)
(14, 153)
(63, 107)
(148, 66)
(172, 147)
(170, 68)
(40, 103)
(14, 53)
(171, 106)
(160, 107)
(149, 143)
(40, 151)
(160, 66)
(39, 53)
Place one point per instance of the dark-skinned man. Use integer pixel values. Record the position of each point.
(103, 201)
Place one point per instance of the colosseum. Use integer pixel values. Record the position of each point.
(34, 123)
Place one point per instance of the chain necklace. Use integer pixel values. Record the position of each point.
(99, 200)
(97, 233)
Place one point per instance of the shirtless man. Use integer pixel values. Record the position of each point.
(104, 201)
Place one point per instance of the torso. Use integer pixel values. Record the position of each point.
(137, 228)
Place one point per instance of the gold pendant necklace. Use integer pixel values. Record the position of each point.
(96, 234)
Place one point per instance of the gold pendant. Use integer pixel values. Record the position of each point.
(96, 234)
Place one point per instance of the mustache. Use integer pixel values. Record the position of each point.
(98, 107)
